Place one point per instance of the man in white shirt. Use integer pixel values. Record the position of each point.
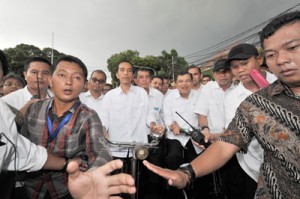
(37, 73)
(179, 146)
(243, 178)
(124, 111)
(210, 107)
(153, 186)
(157, 83)
(94, 96)
(197, 77)
(142, 79)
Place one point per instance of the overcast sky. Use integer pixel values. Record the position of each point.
(93, 30)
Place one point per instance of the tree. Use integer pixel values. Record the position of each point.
(18, 55)
(114, 60)
(171, 63)
(162, 64)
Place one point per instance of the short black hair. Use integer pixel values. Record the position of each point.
(36, 59)
(198, 68)
(141, 69)
(108, 84)
(158, 77)
(72, 59)
(124, 61)
(206, 76)
(99, 71)
(183, 73)
(4, 62)
(14, 76)
(277, 23)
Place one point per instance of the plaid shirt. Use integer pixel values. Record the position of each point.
(80, 136)
(271, 115)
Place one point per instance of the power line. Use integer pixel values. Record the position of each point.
(205, 55)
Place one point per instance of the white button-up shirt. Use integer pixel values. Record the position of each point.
(185, 107)
(211, 104)
(19, 98)
(30, 157)
(251, 161)
(90, 101)
(156, 99)
(125, 117)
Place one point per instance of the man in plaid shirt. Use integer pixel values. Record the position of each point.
(66, 127)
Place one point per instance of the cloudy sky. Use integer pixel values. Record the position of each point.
(93, 30)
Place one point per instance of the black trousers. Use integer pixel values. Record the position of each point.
(238, 184)
(177, 155)
(152, 186)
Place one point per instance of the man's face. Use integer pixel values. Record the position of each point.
(184, 84)
(241, 68)
(67, 81)
(106, 89)
(205, 80)
(223, 77)
(125, 73)
(143, 79)
(157, 83)
(196, 75)
(97, 82)
(165, 85)
(282, 51)
(38, 75)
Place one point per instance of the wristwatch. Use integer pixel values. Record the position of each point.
(188, 169)
(205, 127)
(67, 161)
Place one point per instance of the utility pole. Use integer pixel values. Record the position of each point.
(52, 47)
(173, 72)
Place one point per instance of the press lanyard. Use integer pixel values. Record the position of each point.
(61, 124)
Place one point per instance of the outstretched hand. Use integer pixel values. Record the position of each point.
(98, 183)
(175, 178)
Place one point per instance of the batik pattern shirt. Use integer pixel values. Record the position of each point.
(81, 136)
(272, 115)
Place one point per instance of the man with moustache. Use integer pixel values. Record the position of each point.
(180, 148)
(271, 115)
(37, 72)
(94, 96)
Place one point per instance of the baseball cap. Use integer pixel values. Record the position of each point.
(241, 52)
(220, 64)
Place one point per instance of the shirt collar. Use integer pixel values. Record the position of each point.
(72, 109)
(177, 94)
(131, 89)
(279, 87)
(88, 94)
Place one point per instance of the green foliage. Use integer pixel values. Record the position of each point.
(18, 55)
(114, 60)
(162, 64)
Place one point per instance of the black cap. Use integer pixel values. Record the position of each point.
(241, 52)
(220, 64)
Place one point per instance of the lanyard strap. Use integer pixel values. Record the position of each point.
(67, 117)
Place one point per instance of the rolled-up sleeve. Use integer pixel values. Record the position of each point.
(238, 132)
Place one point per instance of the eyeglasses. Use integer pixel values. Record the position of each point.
(98, 81)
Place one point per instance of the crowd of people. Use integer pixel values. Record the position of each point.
(58, 123)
